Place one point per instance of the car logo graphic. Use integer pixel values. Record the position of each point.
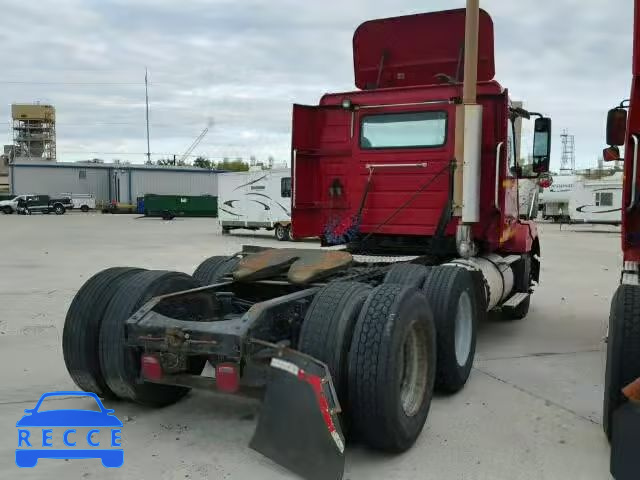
(35, 431)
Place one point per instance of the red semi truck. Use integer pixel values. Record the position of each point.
(415, 174)
(621, 419)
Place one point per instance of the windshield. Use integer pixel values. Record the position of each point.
(404, 130)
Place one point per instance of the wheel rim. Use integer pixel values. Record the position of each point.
(414, 366)
(464, 329)
(279, 232)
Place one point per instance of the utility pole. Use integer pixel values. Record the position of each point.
(146, 96)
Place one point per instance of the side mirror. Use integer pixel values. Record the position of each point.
(611, 154)
(516, 171)
(616, 126)
(541, 145)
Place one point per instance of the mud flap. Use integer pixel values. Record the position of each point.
(298, 426)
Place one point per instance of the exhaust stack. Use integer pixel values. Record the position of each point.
(469, 138)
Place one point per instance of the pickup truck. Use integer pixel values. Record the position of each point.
(9, 206)
(30, 203)
(80, 201)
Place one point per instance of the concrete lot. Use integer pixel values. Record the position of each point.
(531, 409)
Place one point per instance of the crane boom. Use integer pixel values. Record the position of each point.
(195, 143)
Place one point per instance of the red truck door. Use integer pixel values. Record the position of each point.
(410, 149)
(321, 150)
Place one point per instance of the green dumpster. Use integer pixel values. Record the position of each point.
(181, 205)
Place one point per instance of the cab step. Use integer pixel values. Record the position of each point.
(516, 299)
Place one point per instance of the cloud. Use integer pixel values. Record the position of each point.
(243, 64)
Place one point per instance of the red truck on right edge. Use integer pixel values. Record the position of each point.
(621, 410)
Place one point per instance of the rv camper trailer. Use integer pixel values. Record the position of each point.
(554, 201)
(597, 200)
(256, 199)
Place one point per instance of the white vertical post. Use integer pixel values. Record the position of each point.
(146, 96)
(472, 118)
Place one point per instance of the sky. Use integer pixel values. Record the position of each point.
(237, 66)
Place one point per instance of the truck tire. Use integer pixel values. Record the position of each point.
(84, 208)
(623, 350)
(214, 268)
(522, 283)
(82, 329)
(282, 233)
(408, 274)
(453, 295)
(327, 329)
(59, 209)
(121, 364)
(392, 364)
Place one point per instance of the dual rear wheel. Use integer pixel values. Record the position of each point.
(457, 305)
(379, 346)
(388, 348)
(93, 339)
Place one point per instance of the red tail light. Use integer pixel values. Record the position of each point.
(227, 377)
(151, 367)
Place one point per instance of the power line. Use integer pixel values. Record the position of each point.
(74, 84)
(143, 153)
(108, 124)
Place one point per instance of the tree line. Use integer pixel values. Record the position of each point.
(230, 165)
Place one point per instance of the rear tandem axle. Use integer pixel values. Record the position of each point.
(335, 341)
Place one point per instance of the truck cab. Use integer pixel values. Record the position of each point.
(378, 168)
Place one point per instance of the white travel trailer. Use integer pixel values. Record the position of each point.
(554, 200)
(597, 200)
(256, 199)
